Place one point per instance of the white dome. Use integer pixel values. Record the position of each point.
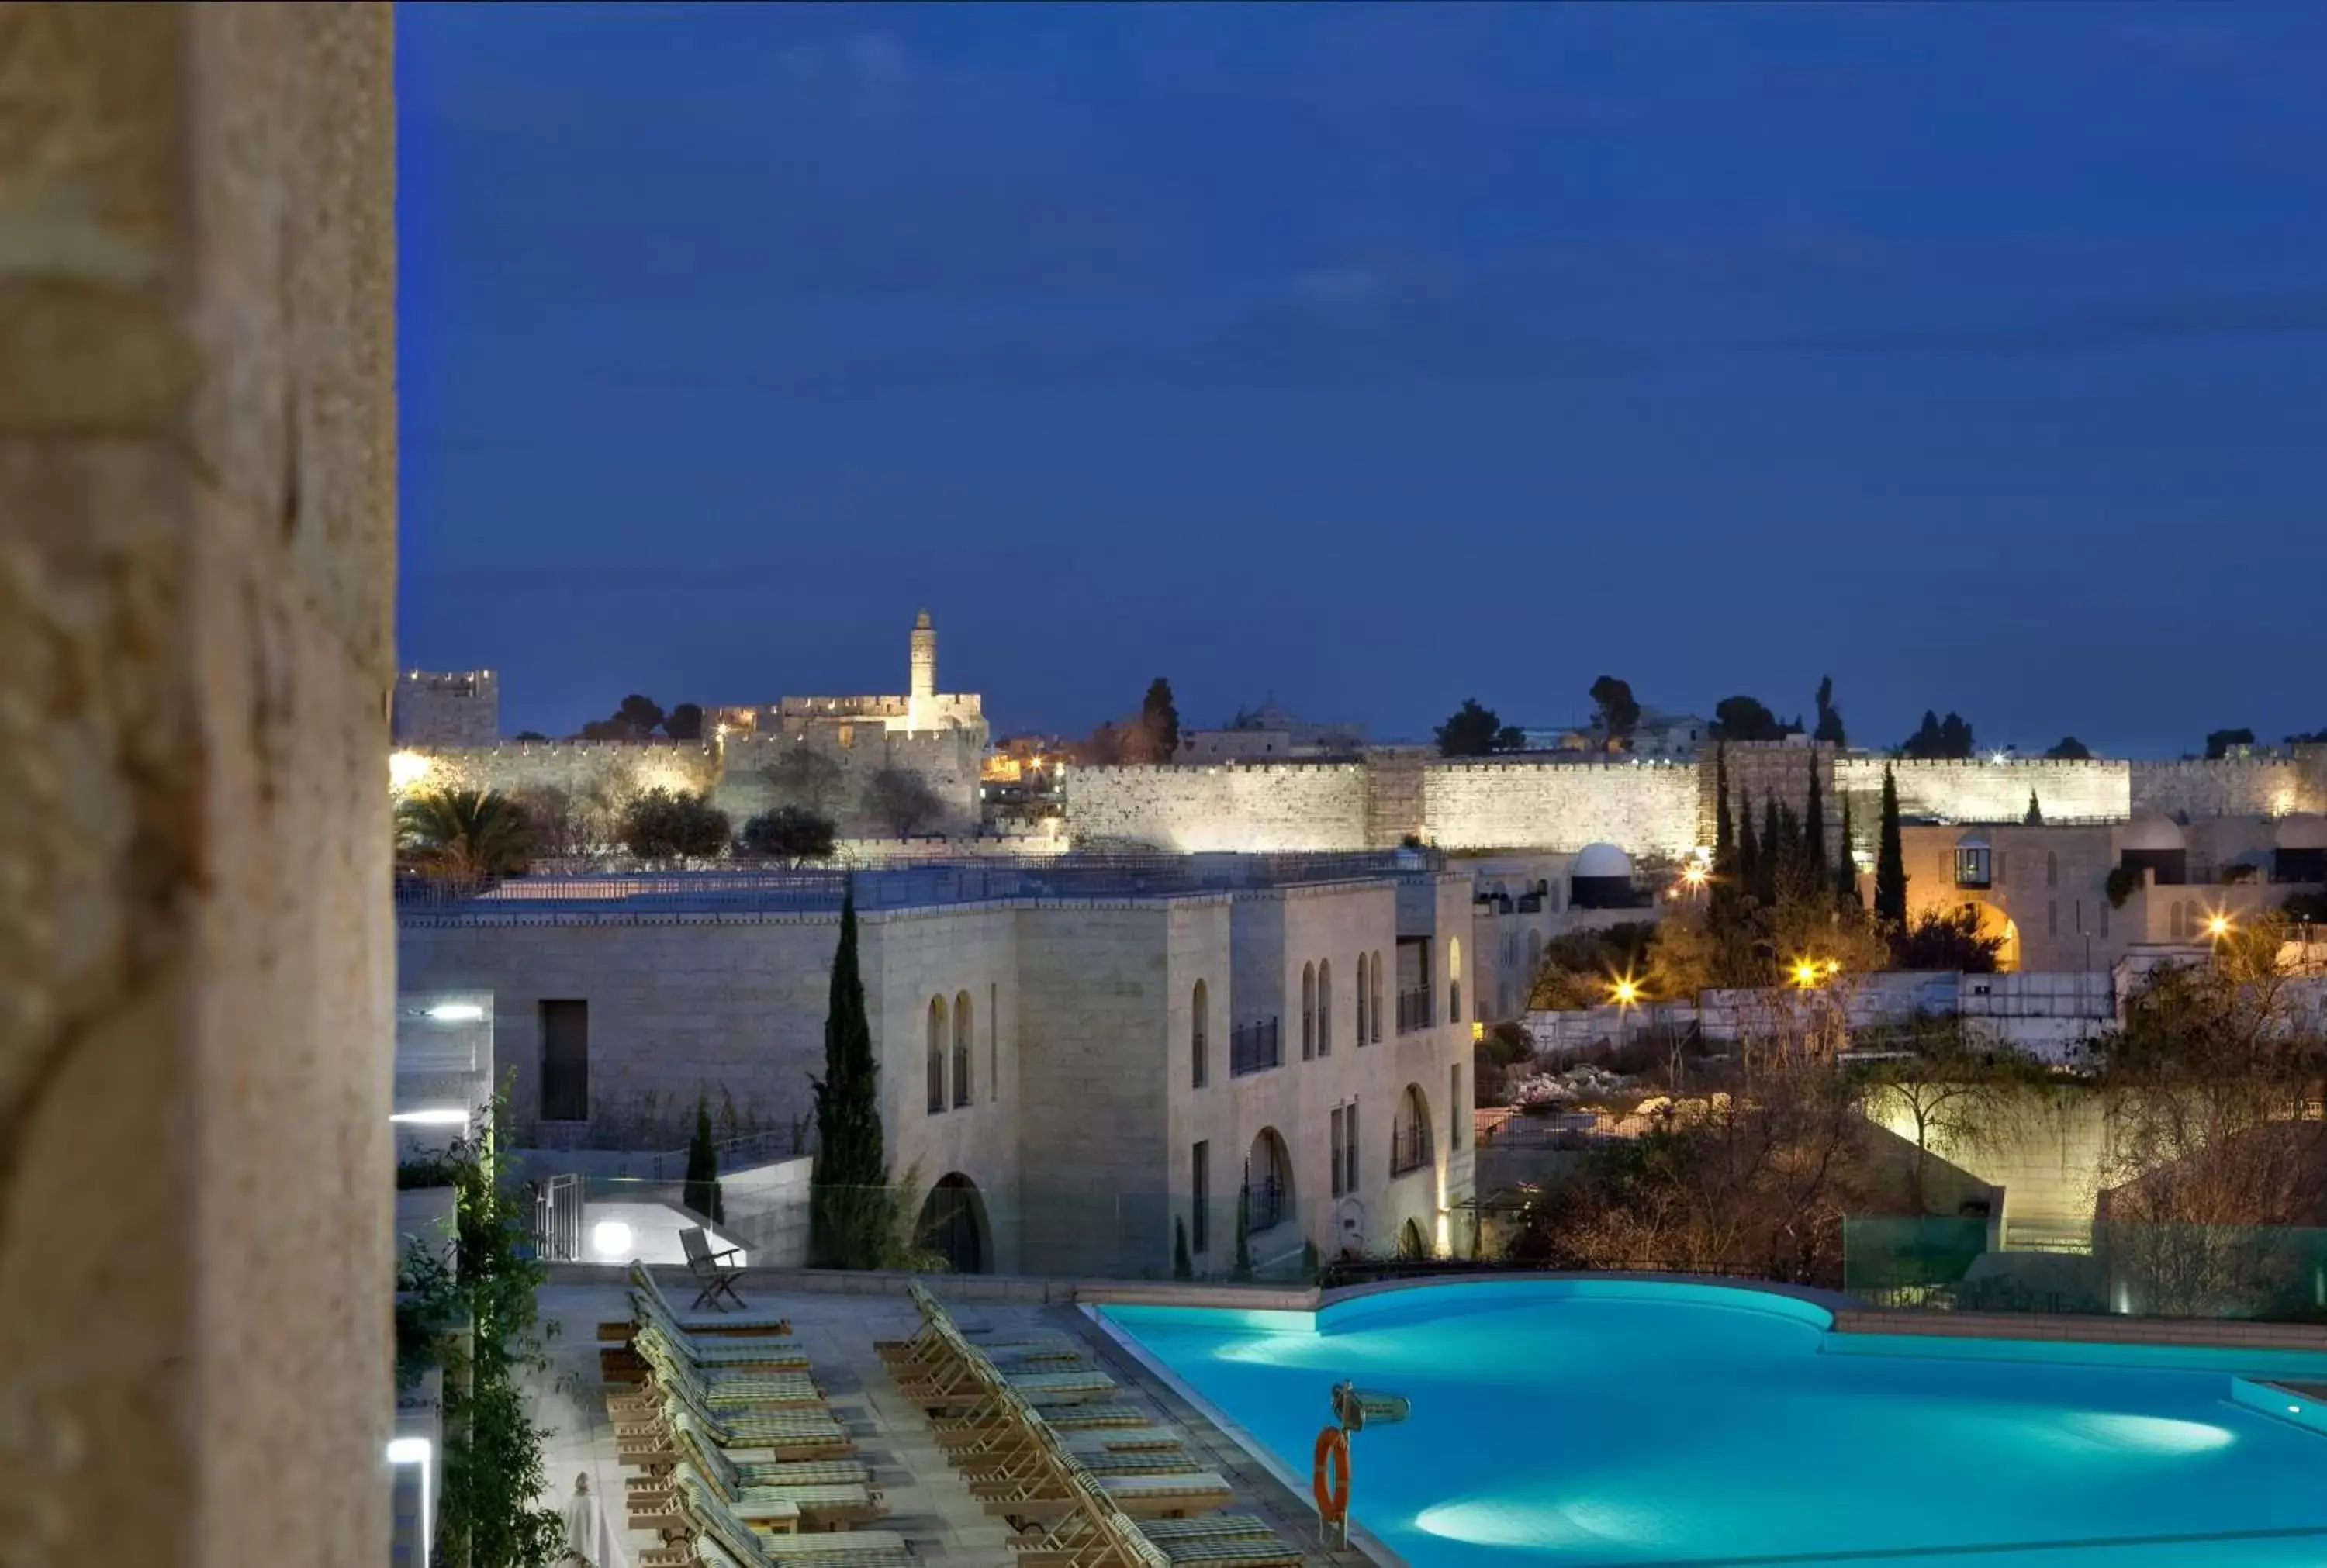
(1598, 860)
(1973, 841)
(2150, 831)
(2303, 830)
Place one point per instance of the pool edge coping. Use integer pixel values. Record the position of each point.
(1364, 1542)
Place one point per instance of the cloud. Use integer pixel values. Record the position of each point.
(2103, 331)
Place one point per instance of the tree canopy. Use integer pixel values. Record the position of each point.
(1745, 718)
(672, 825)
(639, 716)
(464, 836)
(2069, 749)
(2220, 741)
(1948, 941)
(1940, 740)
(901, 801)
(1476, 732)
(1617, 715)
(789, 833)
(1829, 717)
(1159, 716)
(684, 722)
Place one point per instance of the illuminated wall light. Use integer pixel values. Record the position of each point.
(420, 1452)
(406, 768)
(444, 1116)
(611, 1239)
(409, 1450)
(457, 1012)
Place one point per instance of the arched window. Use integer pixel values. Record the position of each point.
(1361, 999)
(1308, 1011)
(1409, 1136)
(961, 1043)
(1411, 1245)
(1377, 978)
(1453, 979)
(936, 1054)
(1200, 1029)
(1325, 1007)
(1268, 1181)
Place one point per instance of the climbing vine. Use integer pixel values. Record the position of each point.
(478, 1319)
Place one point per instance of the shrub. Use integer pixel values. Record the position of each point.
(2123, 881)
(669, 825)
(789, 832)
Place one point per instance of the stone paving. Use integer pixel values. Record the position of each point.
(928, 1504)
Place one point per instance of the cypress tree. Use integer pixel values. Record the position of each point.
(1814, 830)
(701, 1193)
(1845, 865)
(2035, 818)
(1725, 834)
(1241, 1269)
(1749, 853)
(1889, 860)
(848, 1210)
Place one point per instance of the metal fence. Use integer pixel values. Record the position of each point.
(1254, 1048)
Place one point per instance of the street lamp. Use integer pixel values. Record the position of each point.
(1807, 972)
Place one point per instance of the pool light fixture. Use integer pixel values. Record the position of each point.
(611, 1239)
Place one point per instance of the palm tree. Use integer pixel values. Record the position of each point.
(464, 836)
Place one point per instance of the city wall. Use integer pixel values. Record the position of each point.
(2236, 787)
(2099, 791)
(1291, 806)
(1646, 809)
(602, 770)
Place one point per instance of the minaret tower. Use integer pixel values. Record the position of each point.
(922, 693)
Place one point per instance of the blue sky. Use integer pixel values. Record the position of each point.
(1375, 357)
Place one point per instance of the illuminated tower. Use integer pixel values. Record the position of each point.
(923, 691)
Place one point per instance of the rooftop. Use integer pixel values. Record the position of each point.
(819, 892)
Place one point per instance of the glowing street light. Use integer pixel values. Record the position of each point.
(1624, 992)
(1694, 873)
(2217, 927)
(1807, 972)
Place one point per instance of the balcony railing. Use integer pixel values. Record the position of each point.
(1254, 1048)
(1409, 1149)
(1416, 1009)
(1269, 1204)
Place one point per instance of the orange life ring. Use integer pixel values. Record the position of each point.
(1332, 1458)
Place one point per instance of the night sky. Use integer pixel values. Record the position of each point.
(1374, 358)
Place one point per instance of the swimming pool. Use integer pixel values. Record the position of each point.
(1567, 1423)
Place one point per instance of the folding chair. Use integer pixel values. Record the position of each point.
(711, 1270)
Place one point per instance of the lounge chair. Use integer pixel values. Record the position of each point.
(722, 1526)
(648, 1295)
(712, 1271)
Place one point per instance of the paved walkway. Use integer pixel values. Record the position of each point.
(928, 1504)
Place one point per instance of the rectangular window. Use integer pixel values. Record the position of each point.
(1349, 1148)
(1459, 1111)
(1971, 868)
(1200, 1191)
(564, 1062)
(1337, 1151)
(2080, 917)
(2052, 918)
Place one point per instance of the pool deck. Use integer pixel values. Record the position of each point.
(928, 1503)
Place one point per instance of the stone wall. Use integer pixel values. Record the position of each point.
(1286, 806)
(946, 760)
(197, 570)
(587, 770)
(2234, 787)
(1645, 809)
(1977, 791)
(440, 708)
(1760, 771)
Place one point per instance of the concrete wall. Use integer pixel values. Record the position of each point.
(197, 571)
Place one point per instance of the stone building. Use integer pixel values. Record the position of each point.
(936, 738)
(2045, 887)
(1076, 1062)
(444, 708)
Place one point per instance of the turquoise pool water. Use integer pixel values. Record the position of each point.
(1576, 1424)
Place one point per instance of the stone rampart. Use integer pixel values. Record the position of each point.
(1644, 808)
(603, 771)
(1291, 805)
(2235, 786)
(2099, 791)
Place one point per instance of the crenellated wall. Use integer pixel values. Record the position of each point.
(1979, 791)
(605, 771)
(1647, 810)
(2234, 787)
(1290, 806)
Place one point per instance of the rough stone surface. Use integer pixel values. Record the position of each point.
(197, 545)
